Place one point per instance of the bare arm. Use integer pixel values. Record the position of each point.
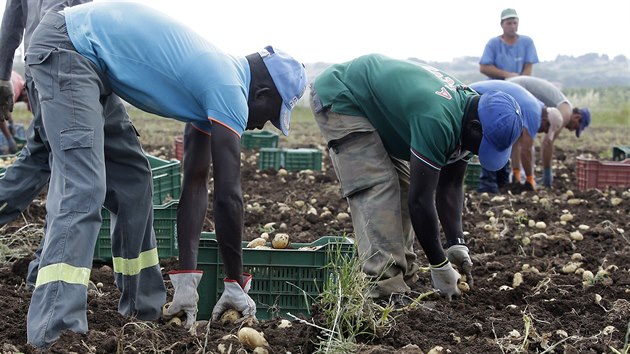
(228, 199)
(547, 150)
(527, 69)
(493, 72)
(526, 142)
(193, 202)
(449, 199)
(422, 209)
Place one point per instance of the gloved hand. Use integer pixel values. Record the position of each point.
(445, 280)
(235, 297)
(547, 179)
(530, 183)
(458, 255)
(6, 99)
(185, 298)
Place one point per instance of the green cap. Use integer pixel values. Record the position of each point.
(508, 13)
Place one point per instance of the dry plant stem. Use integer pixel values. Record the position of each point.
(528, 323)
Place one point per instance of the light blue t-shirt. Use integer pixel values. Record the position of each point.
(160, 65)
(509, 57)
(531, 107)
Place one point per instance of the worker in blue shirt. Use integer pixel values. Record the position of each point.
(510, 54)
(88, 52)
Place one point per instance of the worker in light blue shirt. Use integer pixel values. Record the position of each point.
(509, 54)
(86, 53)
(536, 117)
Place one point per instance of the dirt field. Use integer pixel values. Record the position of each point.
(530, 295)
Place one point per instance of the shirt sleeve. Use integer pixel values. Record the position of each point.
(531, 56)
(11, 33)
(430, 139)
(488, 56)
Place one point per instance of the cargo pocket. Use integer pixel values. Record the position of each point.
(42, 72)
(361, 162)
(79, 169)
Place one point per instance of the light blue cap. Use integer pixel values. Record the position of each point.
(289, 76)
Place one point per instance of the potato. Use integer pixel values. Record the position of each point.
(230, 316)
(257, 242)
(175, 321)
(463, 287)
(251, 338)
(285, 324)
(165, 308)
(280, 241)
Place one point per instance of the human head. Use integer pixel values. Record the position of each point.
(509, 22)
(502, 124)
(289, 77)
(585, 120)
(508, 13)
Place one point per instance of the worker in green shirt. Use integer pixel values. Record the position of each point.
(399, 135)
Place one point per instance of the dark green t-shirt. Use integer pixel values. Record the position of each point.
(414, 107)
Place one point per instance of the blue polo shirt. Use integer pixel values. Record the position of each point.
(509, 57)
(531, 107)
(160, 65)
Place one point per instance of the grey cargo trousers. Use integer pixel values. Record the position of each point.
(74, 98)
(375, 185)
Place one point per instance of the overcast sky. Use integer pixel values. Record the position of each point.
(339, 30)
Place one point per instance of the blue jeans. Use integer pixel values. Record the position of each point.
(491, 181)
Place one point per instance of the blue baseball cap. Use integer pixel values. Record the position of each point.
(289, 76)
(584, 122)
(502, 124)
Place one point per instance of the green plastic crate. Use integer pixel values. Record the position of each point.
(284, 281)
(621, 152)
(259, 139)
(270, 158)
(164, 224)
(473, 171)
(167, 179)
(290, 159)
(303, 159)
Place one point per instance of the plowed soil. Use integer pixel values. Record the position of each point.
(529, 294)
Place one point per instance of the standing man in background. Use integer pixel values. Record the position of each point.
(574, 119)
(509, 54)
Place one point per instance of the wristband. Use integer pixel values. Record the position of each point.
(440, 265)
(457, 241)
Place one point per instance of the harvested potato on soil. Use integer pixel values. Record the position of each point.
(463, 286)
(230, 316)
(251, 338)
(165, 308)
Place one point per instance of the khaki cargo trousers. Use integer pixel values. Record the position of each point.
(376, 186)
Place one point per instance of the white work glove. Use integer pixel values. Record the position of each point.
(185, 298)
(458, 255)
(445, 280)
(6, 99)
(235, 297)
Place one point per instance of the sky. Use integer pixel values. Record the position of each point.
(339, 30)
